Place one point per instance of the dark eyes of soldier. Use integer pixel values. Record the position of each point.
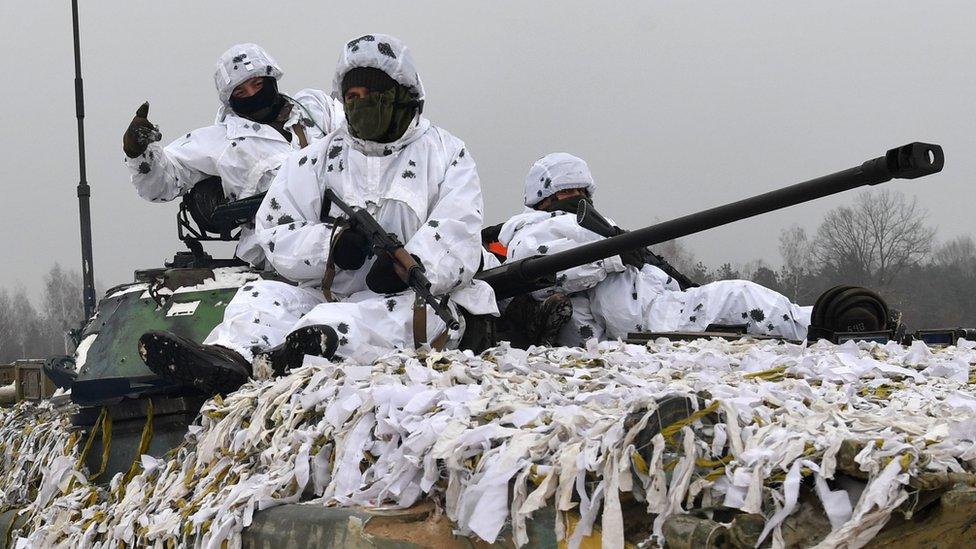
(560, 195)
(568, 193)
(248, 87)
(356, 92)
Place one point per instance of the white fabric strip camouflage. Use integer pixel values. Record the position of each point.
(36, 453)
(548, 426)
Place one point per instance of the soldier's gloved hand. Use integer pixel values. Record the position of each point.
(140, 133)
(382, 277)
(350, 251)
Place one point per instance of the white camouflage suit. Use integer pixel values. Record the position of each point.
(243, 153)
(611, 299)
(423, 187)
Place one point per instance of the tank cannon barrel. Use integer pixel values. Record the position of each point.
(906, 162)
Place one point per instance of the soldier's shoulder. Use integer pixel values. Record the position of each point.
(321, 152)
(451, 143)
(325, 111)
(313, 97)
(520, 221)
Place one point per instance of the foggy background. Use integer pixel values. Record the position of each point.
(675, 106)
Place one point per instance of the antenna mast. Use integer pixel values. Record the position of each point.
(84, 191)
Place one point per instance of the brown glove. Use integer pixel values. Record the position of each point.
(140, 133)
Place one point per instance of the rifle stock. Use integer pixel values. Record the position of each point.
(590, 219)
(537, 272)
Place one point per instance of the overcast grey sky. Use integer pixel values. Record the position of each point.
(676, 106)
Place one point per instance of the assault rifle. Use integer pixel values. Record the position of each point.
(387, 243)
(241, 211)
(238, 212)
(591, 220)
(537, 272)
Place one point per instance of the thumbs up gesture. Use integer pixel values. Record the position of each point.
(140, 133)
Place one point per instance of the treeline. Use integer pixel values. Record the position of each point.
(29, 331)
(881, 241)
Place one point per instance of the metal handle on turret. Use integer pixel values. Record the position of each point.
(905, 162)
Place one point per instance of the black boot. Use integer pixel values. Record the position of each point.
(516, 320)
(553, 314)
(530, 322)
(208, 368)
(317, 340)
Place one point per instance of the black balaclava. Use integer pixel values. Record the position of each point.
(569, 205)
(371, 78)
(263, 106)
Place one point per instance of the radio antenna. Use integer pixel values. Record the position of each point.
(84, 191)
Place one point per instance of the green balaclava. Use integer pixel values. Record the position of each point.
(381, 116)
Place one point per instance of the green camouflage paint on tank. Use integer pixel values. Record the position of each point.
(122, 319)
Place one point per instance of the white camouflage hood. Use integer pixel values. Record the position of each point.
(556, 172)
(240, 63)
(383, 52)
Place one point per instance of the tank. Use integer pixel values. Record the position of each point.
(188, 295)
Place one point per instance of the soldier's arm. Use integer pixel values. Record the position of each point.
(162, 174)
(287, 224)
(449, 242)
(559, 233)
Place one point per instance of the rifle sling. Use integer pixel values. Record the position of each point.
(420, 328)
(330, 269)
(419, 306)
(300, 133)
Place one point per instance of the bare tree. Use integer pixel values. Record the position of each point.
(875, 238)
(958, 253)
(62, 306)
(796, 250)
(7, 332)
(678, 255)
(28, 337)
(749, 268)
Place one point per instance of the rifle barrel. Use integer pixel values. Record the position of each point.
(906, 162)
